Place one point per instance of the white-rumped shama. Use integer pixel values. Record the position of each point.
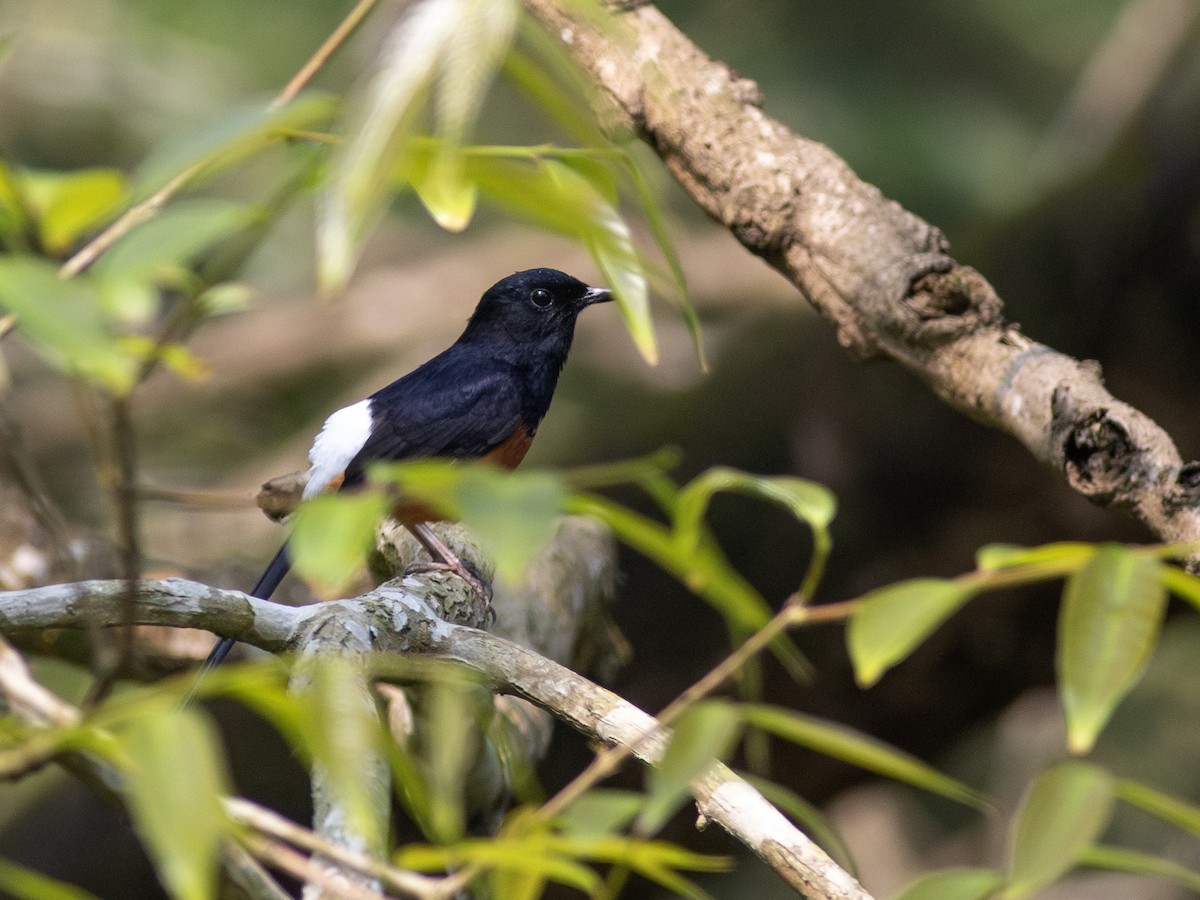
(483, 397)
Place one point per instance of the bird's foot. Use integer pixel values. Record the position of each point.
(467, 573)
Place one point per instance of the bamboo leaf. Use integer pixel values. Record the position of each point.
(808, 501)
(891, 621)
(513, 514)
(858, 749)
(1163, 806)
(1064, 811)
(1133, 862)
(66, 205)
(993, 557)
(235, 135)
(954, 884)
(21, 883)
(601, 811)
(176, 779)
(1108, 625)
(332, 536)
(62, 321)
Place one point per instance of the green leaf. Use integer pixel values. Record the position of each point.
(342, 728)
(21, 883)
(601, 811)
(1133, 862)
(1108, 625)
(891, 621)
(1163, 806)
(993, 557)
(61, 319)
(954, 884)
(332, 536)
(238, 134)
(707, 732)
(525, 857)
(513, 514)
(66, 205)
(551, 194)
(16, 229)
(808, 501)
(858, 749)
(160, 252)
(1182, 584)
(1064, 811)
(176, 780)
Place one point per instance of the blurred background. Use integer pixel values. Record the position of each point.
(1055, 143)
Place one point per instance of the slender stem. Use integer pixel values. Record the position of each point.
(150, 207)
(124, 494)
(285, 859)
(338, 37)
(276, 826)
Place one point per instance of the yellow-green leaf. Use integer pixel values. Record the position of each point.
(808, 501)
(1163, 806)
(332, 536)
(858, 749)
(1064, 811)
(511, 513)
(1133, 862)
(601, 811)
(68, 204)
(1005, 556)
(891, 621)
(62, 320)
(21, 883)
(238, 133)
(1108, 625)
(954, 884)
(176, 779)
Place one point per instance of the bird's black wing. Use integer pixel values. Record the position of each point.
(450, 407)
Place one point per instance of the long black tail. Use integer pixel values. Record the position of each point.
(274, 573)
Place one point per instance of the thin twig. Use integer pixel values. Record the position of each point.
(124, 498)
(248, 874)
(339, 35)
(285, 859)
(147, 209)
(276, 826)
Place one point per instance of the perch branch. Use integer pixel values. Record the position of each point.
(400, 622)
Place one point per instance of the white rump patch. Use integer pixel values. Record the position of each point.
(343, 435)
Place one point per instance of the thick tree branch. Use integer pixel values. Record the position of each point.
(878, 272)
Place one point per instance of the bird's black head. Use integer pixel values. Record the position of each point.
(535, 309)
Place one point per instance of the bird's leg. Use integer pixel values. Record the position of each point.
(446, 559)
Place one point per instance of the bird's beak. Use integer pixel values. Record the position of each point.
(596, 295)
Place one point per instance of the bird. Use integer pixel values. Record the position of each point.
(482, 397)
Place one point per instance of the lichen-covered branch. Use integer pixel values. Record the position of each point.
(880, 274)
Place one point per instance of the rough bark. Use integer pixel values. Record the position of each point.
(880, 274)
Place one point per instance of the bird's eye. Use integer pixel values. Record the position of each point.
(541, 298)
